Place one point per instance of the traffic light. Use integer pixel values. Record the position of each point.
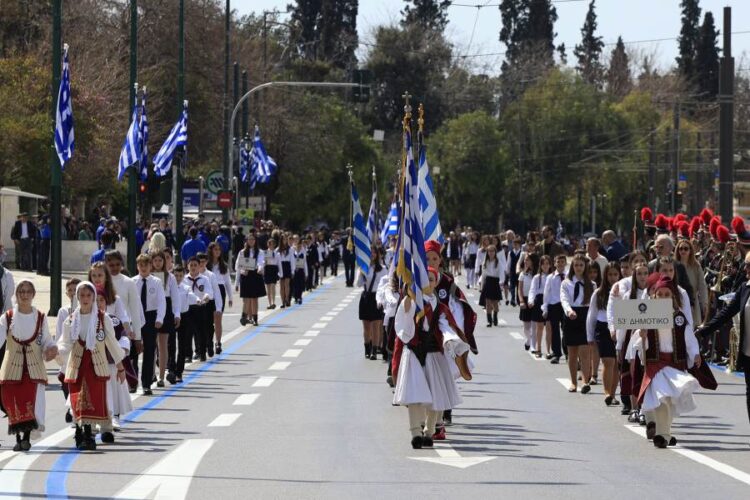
(142, 188)
(363, 78)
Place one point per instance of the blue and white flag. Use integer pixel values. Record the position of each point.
(263, 166)
(374, 224)
(362, 250)
(144, 136)
(390, 228)
(244, 163)
(131, 149)
(412, 261)
(177, 138)
(64, 135)
(427, 203)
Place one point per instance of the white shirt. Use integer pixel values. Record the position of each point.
(369, 284)
(271, 258)
(155, 299)
(223, 279)
(246, 264)
(187, 297)
(23, 327)
(125, 288)
(404, 321)
(386, 297)
(537, 287)
(552, 290)
(525, 283)
(200, 286)
(595, 314)
(118, 310)
(491, 270)
(171, 292)
(214, 281)
(567, 295)
(24, 230)
(299, 260)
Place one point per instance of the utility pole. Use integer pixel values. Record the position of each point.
(133, 174)
(726, 122)
(245, 109)
(235, 94)
(55, 168)
(178, 166)
(651, 168)
(227, 132)
(675, 156)
(697, 201)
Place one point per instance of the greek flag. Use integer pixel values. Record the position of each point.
(362, 249)
(64, 135)
(427, 203)
(177, 137)
(391, 226)
(412, 261)
(131, 149)
(244, 162)
(263, 166)
(373, 218)
(144, 135)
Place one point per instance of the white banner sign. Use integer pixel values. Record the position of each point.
(647, 314)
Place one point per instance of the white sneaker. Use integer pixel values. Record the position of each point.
(116, 422)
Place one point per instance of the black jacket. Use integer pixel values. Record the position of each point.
(724, 316)
(15, 233)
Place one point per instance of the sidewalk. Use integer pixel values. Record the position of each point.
(42, 285)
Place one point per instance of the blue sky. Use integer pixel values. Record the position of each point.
(634, 20)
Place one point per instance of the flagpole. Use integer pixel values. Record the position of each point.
(350, 241)
(134, 169)
(55, 169)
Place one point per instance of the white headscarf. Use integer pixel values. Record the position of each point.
(11, 327)
(75, 327)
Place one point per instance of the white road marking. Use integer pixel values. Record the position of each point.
(171, 476)
(311, 333)
(246, 399)
(502, 322)
(225, 420)
(264, 381)
(11, 476)
(702, 459)
(5, 455)
(517, 336)
(332, 313)
(280, 365)
(448, 456)
(292, 353)
(303, 342)
(326, 318)
(565, 382)
(318, 326)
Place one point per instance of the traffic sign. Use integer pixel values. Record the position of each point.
(214, 181)
(224, 199)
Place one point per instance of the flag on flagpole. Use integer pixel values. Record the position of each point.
(427, 202)
(144, 138)
(362, 250)
(64, 134)
(263, 166)
(390, 228)
(373, 218)
(177, 138)
(412, 261)
(244, 163)
(131, 149)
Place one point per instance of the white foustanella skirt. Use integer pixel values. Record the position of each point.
(118, 396)
(673, 387)
(432, 384)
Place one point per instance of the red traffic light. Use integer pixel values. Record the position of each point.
(142, 187)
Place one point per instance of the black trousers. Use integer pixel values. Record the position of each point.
(208, 326)
(189, 327)
(555, 315)
(349, 269)
(43, 260)
(746, 363)
(298, 284)
(26, 250)
(148, 334)
(334, 263)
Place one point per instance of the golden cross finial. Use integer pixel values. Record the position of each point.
(420, 121)
(349, 169)
(407, 106)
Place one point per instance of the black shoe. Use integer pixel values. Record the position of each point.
(672, 441)
(549, 356)
(243, 320)
(203, 357)
(625, 410)
(178, 379)
(255, 319)
(373, 356)
(660, 442)
(426, 442)
(78, 437)
(218, 348)
(585, 389)
(148, 392)
(368, 348)
(133, 390)
(171, 378)
(608, 400)
(282, 306)
(273, 306)
(651, 431)
(389, 381)
(196, 357)
(416, 442)
(108, 437)
(555, 360)
(526, 346)
(489, 324)
(160, 383)
(68, 417)
(494, 319)
(210, 349)
(448, 417)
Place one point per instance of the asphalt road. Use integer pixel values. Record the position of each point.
(293, 410)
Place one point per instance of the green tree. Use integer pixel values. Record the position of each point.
(474, 167)
(689, 38)
(305, 17)
(428, 14)
(707, 59)
(619, 80)
(589, 51)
